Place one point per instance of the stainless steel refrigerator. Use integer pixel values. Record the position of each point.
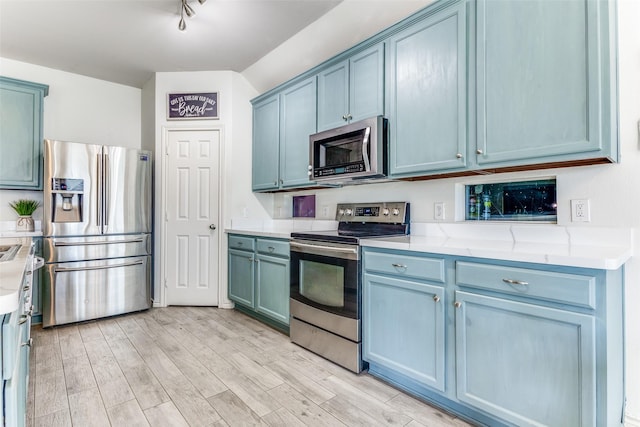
(97, 231)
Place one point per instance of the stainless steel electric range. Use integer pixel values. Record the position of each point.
(326, 283)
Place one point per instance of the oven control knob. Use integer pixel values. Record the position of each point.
(396, 211)
(340, 212)
(385, 211)
(348, 212)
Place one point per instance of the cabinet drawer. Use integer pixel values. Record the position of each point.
(405, 265)
(242, 243)
(273, 247)
(559, 287)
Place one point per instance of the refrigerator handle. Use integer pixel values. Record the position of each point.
(99, 193)
(106, 173)
(98, 267)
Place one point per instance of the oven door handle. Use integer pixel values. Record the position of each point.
(338, 252)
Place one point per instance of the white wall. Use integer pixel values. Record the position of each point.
(234, 94)
(612, 189)
(79, 109)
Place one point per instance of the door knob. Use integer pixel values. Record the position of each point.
(212, 226)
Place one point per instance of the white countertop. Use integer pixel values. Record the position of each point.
(8, 229)
(584, 247)
(11, 273)
(260, 233)
(586, 256)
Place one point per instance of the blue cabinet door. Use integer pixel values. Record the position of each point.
(366, 83)
(527, 364)
(266, 144)
(241, 277)
(333, 96)
(297, 122)
(21, 108)
(427, 94)
(272, 283)
(352, 89)
(404, 328)
(543, 81)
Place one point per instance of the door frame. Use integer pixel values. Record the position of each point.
(160, 262)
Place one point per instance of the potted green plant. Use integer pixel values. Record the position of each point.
(25, 209)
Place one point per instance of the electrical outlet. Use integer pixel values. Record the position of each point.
(438, 210)
(580, 211)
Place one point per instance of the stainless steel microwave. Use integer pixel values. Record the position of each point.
(351, 152)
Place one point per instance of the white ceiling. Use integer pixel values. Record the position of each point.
(127, 41)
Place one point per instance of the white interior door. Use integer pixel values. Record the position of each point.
(191, 218)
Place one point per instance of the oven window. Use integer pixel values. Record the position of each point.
(322, 283)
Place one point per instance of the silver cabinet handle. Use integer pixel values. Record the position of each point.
(99, 242)
(457, 304)
(23, 319)
(436, 298)
(28, 343)
(98, 267)
(344, 117)
(212, 226)
(515, 282)
(399, 265)
(459, 155)
(479, 151)
(271, 248)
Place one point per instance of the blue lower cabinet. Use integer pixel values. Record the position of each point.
(496, 342)
(258, 278)
(417, 350)
(272, 283)
(528, 364)
(15, 341)
(241, 277)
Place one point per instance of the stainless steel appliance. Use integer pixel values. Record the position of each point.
(326, 284)
(356, 151)
(97, 228)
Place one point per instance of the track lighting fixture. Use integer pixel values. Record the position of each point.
(188, 10)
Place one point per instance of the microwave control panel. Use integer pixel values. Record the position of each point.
(351, 168)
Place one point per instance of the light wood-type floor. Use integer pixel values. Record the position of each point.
(186, 366)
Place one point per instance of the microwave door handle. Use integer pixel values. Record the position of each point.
(365, 149)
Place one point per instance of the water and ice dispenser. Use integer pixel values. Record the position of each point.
(66, 203)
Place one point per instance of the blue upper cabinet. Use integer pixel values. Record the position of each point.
(427, 94)
(21, 109)
(352, 90)
(544, 82)
(266, 143)
(467, 85)
(282, 123)
(297, 122)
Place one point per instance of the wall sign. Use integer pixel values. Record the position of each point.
(190, 106)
